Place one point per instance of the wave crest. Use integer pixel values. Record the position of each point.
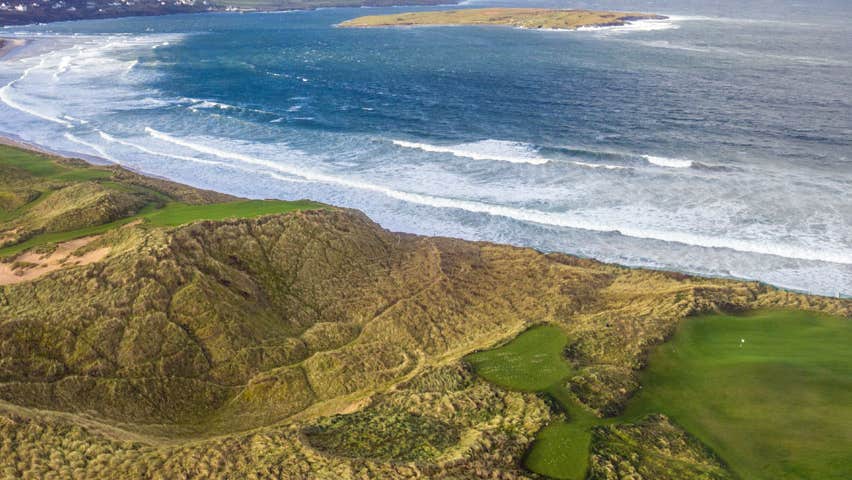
(668, 162)
(499, 150)
(567, 219)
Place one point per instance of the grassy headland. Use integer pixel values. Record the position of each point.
(534, 18)
(47, 200)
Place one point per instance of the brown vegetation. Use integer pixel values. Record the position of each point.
(535, 18)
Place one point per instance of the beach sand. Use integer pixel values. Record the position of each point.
(11, 142)
(7, 45)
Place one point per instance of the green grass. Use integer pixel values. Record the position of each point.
(59, 237)
(45, 167)
(533, 362)
(561, 450)
(175, 214)
(172, 214)
(777, 406)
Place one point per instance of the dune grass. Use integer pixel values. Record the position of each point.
(769, 392)
(45, 173)
(172, 214)
(59, 237)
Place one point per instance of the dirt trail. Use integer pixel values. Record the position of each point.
(32, 265)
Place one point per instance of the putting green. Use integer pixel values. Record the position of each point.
(770, 392)
(533, 362)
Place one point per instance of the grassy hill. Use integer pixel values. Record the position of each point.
(219, 337)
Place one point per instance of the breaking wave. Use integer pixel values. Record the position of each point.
(567, 220)
(499, 150)
(668, 162)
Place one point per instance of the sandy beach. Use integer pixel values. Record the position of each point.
(11, 142)
(7, 45)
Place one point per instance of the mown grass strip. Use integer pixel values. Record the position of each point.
(43, 166)
(176, 213)
(173, 214)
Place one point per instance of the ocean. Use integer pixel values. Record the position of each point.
(716, 142)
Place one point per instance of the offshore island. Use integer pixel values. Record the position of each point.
(532, 18)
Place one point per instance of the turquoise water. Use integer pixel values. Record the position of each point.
(716, 142)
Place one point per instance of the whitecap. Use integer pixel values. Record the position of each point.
(94, 147)
(6, 98)
(668, 162)
(644, 25)
(499, 150)
(566, 219)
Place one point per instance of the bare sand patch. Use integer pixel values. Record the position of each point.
(31, 265)
(9, 235)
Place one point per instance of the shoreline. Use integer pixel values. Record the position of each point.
(10, 140)
(35, 19)
(9, 45)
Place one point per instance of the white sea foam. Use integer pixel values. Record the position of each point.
(732, 52)
(75, 119)
(197, 103)
(668, 162)
(148, 151)
(647, 25)
(62, 67)
(143, 149)
(93, 56)
(5, 97)
(599, 165)
(746, 21)
(499, 150)
(94, 147)
(568, 220)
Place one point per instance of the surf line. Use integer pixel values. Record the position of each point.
(5, 98)
(534, 216)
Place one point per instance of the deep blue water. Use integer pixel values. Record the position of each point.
(717, 142)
